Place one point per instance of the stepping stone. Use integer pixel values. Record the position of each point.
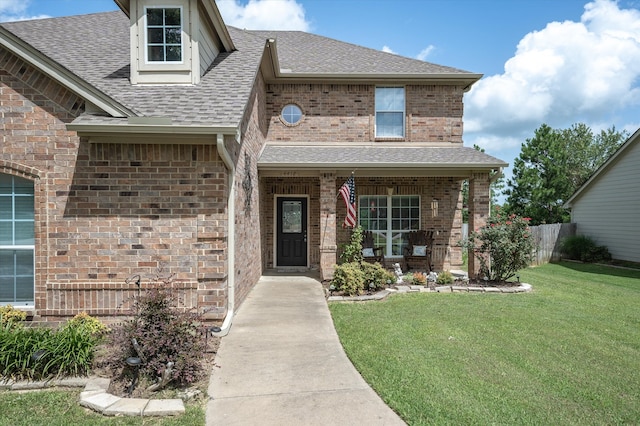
(164, 407)
(99, 402)
(126, 407)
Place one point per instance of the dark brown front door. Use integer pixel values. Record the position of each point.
(292, 232)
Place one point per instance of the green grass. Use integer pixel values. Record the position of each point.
(567, 353)
(61, 408)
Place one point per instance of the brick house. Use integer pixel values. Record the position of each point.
(157, 136)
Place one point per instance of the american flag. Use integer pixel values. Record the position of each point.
(348, 192)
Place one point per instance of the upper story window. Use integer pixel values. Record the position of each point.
(291, 114)
(164, 34)
(390, 112)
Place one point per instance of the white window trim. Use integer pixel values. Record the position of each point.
(183, 34)
(404, 113)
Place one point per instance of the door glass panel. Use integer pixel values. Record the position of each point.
(291, 217)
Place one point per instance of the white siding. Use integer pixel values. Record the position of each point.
(208, 49)
(609, 209)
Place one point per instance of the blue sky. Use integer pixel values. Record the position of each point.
(557, 62)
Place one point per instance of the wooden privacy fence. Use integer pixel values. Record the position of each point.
(548, 238)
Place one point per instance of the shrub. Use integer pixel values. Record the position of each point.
(584, 248)
(445, 277)
(502, 247)
(375, 276)
(165, 333)
(34, 353)
(10, 315)
(86, 322)
(349, 278)
(418, 278)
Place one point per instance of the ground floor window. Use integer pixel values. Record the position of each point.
(16, 241)
(391, 218)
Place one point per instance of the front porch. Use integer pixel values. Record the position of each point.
(389, 206)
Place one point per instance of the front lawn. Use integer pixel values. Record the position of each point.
(566, 353)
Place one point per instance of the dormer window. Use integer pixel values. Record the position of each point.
(164, 34)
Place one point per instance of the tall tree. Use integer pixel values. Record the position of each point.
(552, 166)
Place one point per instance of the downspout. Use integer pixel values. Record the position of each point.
(231, 239)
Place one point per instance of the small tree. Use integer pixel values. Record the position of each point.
(502, 247)
(353, 250)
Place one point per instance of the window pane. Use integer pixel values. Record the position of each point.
(5, 208)
(154, 35)
(5, 184)
(154, 16)
(24, 233)
(156, 53)
(389, 99)
(24, 208)
(172, 17)
(174, 53)
(6, 263)
(24, 289)
(389, 124)
(6, 289)
(173, 35)
(22, 186)
(6, 233)
(291, 217)
(24, 263)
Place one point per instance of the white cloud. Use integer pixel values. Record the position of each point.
(387, 49)
(16, 10)
(562, 74)
(264, 14)
(425, 52)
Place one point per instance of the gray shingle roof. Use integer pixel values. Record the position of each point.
(374, 156)
(303, 52)
(95, 48)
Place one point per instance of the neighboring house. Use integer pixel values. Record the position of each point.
(606, 207)
(156, 136)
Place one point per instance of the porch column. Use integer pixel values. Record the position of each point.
(479, 200)
(328, 246)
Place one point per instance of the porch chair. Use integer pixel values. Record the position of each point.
(371, 253)
(417, 255)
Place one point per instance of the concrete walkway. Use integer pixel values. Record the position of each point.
(282, 364)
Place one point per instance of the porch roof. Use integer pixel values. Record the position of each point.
(377, 159)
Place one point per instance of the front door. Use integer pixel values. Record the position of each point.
(292, 232)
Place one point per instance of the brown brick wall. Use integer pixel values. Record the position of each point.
(106, 211)
(345, 113)
(249, 236)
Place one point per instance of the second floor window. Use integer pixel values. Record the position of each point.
(389, 112)
(164, 34)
